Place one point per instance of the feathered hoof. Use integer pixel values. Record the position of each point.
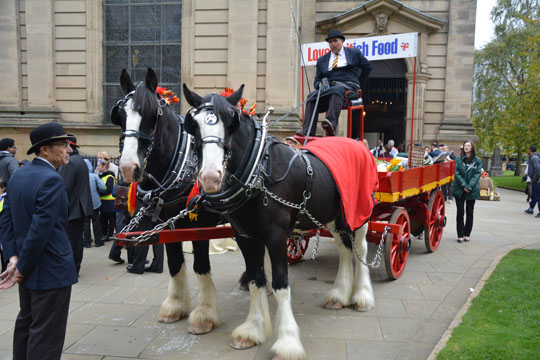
(239, 343)
(333, 305)
(201, 328)
(364, 303)
(288, 350)
(169, 319)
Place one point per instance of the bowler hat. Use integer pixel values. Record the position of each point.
(46, 133)
(335, 34)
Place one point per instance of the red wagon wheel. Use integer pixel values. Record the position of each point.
(397, 245)
(296, 248)
(436, 221)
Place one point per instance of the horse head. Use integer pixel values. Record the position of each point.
(212, 120)
(137, 114)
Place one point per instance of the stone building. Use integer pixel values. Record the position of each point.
(61, 60)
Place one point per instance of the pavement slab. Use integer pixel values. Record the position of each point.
(113, 314)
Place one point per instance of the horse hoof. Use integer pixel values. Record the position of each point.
(170, 319)
(363, 307)
(333, 305)
(242, 344)
(202, 328)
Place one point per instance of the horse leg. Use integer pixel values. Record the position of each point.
(206, 315)
(243, 282)
(288, 344)
(340, 294)
(362, 297)
(257, 327)
(178, 302)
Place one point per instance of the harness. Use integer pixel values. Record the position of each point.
(254, 170)
(181, 169)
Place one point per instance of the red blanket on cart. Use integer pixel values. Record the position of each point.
(355, 173)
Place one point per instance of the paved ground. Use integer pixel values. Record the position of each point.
(113, 313)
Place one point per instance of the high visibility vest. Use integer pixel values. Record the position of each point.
(108, 196)
(2, 202)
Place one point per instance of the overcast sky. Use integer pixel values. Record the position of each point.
(484, 26)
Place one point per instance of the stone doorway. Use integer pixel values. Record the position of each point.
(385, 99)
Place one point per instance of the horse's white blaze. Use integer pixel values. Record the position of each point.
(343, 285)
(129, 158)
(178, 302)
(288, 344)
(258, 326)
(363, 292)
(207, 309)
(211, 171)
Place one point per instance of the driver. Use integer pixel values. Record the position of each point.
(343, 69)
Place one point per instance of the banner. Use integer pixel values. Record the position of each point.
(384, 47)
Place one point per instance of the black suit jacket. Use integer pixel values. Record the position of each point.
(77, 184)
(33, 227)
(358, 67)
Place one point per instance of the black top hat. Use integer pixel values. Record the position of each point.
(46, 133)
(334, 33)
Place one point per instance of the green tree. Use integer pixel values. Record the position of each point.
(506, 97)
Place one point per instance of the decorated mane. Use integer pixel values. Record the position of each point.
(229, 91)
(167, 95)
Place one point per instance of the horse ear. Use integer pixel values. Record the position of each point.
(125, 82)
(151, 79)
(235, 97)
(235, 121)
(192, 98)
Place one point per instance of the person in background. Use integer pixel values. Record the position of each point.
(378, 150)
(3, 187)
(366, 143)
(466, 189)
(122, 219)
(387, 152)
(434, 150)
(533, 172)
(33, 227)
(393, 150)
(449, 197)
(8, 163)
(107, 212)
(24, 162)
(80, 201)
(96, 186)
(103, 155)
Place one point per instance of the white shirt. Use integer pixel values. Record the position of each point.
(342, 60)
(47, 161)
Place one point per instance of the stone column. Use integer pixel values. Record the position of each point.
(40, 53)
(10, 57)
(94, 61)
(282, 59)
(456, 124)
(242, 47)
(496, 168)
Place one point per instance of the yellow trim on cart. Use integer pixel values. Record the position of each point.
(395, 196)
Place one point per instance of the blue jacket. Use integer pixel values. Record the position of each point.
(33, 227)
(95, 185)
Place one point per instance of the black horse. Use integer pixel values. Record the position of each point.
(155, 151)
(257, 187)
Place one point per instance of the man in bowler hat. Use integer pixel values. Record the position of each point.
(338, 71)
(33, 227)
(77, 183)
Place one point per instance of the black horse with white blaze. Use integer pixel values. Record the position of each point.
(253, 179)
(156, 151)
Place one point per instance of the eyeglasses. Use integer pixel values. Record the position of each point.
(63, 145)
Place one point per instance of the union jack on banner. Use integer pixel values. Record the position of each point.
(404, 46)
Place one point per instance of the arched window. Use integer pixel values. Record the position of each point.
(138, 34)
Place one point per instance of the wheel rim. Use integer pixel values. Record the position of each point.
(296, 249)
(398, 250)
(436, 220)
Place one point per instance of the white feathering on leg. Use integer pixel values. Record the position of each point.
(362, 298)
(343, 285)
(178, 302)
(288, 345)
(206, 314)
(257, 326)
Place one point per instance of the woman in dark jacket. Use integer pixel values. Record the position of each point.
(107, 211)
(466, 188)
